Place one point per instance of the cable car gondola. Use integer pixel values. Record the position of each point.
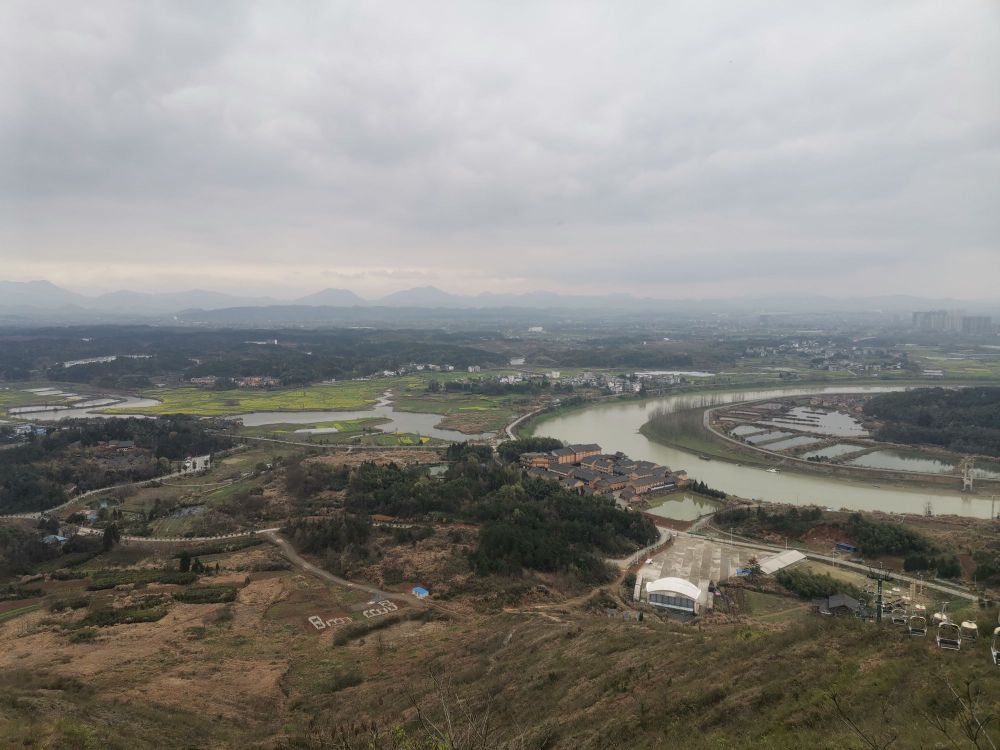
(949, 636)
(970, 631)
(918, 625)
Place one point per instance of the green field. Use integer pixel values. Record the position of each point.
(349, 432)
(774, 608)
(200, 402)
(12, 613)
(17, 394)
(342, 396)
(345, 427)
(955, 366)
(468, 412)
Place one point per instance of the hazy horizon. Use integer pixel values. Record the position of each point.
(293, 297)
(666, 151)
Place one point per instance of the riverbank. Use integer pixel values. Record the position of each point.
(617, 426)
(524, 427)
(691, 430)
(527, 427)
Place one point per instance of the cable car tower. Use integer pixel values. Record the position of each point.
(879, 576)
(966, 466)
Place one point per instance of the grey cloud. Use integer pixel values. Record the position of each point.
(716, 140)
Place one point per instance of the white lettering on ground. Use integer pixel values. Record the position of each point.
(384, 607)
(334, 622)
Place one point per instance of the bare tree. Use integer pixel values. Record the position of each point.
(969, 727)
(462, 724)
(869, 739)
(445, 721)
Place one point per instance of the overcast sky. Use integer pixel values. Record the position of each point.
(669, 149)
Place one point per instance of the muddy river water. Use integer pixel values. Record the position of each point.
(615, 426)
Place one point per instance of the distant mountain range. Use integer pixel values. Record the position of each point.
(45, 299)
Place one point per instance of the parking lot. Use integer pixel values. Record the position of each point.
(699, 561)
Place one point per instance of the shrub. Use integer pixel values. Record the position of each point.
(339, 682)
(108, 579)
(151, 609)
(83, 635)
(217, 548)
(65, 574)
(882, 537)
(359, 629)
(206, 595)
(75, 602)
(15, 591)
(263, 567)
(809, 585)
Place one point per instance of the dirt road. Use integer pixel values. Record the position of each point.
(300, 562)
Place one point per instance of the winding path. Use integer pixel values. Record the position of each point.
(300, 562)
(509, 429)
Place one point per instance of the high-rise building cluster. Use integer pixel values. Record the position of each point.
(952, 321)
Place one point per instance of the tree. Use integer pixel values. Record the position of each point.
(756, 573)
(197, 566)
(184, 564)
(50, 525)
(966, 721)
(111, 537)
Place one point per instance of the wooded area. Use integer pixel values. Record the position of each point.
(965, 420)
(524, 523)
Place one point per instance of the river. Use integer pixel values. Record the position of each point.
(399, 421)
(82, 410)
(615, 426)
(421, 423)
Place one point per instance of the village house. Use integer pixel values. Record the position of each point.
(257, 381)
(583, 468)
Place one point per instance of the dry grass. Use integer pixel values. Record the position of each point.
(252, 673)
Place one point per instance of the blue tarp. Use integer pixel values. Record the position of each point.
(420, 592)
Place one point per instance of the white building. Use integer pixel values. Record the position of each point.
(674, 594)
(771, 565)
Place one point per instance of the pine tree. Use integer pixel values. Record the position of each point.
(111, 537)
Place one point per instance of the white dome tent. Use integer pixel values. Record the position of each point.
(674, 594)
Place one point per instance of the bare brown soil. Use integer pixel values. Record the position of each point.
(382, 457)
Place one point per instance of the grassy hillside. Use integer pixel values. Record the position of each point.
(252, 673)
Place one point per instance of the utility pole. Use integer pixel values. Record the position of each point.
(879, 576)
(966, 466)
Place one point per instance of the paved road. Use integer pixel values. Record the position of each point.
(176, 539)
(627, 562)
(38, 514)
(950, 590)
(344, 448)
(509, 429)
